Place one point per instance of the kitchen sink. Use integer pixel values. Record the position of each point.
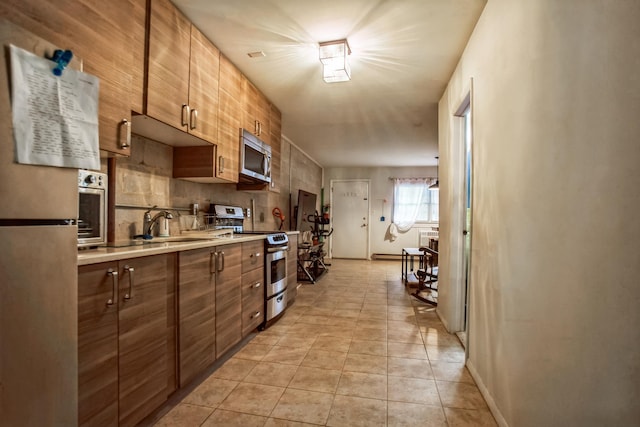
(178, 239)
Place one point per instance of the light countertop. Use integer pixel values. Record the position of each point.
(115, 253)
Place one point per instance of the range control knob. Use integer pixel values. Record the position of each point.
(90, 179)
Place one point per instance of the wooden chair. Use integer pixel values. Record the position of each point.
(427, 290)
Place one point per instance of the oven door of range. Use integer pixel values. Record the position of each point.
(276, 269)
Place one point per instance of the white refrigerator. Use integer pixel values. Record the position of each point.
(38, 275)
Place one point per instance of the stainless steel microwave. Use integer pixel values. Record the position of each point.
(255, 159)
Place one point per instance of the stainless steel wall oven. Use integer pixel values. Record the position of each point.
(276, 245)
(92, 208)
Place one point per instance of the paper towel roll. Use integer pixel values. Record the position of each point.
(163, 227)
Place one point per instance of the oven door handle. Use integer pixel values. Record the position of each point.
(278, 249)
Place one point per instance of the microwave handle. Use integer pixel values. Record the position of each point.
(267, 165)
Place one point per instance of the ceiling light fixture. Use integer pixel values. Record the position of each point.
(436, 186)
(334, 56)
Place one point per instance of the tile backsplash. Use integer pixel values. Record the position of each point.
(145, 179)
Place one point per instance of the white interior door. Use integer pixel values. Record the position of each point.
(350, 219)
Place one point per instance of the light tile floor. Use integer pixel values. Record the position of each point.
(354, 350)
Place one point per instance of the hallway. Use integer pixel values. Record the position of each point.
(354, 350)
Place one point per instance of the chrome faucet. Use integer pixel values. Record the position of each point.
(150, 222)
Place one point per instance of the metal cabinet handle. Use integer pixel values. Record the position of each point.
(125, 140)
(130, 270)
(213, 261)
(256, 285)
(268, 166)
(193, 119)
(256, 127)
(221, 268)
(255, 315)
(185, 114)
(257, 255)
(114, 285)
(221, 164)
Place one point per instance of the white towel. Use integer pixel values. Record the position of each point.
(393, 231)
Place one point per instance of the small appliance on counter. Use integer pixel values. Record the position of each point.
(92, 208)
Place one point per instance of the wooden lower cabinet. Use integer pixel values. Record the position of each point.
(228, 297)
(292, 268)
(252, 300)
(197, 311)
(126, 339)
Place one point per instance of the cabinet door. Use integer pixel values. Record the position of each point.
(228, 298)
(250, 100)
(255, 111)
(229, 121)
(104, 45)
(139, 35)
(197, 311)
(168, 75)
(203, 87)
(98, 345)
(146, 285)
(262, 113)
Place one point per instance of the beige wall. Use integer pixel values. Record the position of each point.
(381, 189)
(553, 339)
(145, 179)
(305, 174)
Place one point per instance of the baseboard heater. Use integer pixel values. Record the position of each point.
(387, 257)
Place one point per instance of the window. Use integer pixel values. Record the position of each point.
(428, 211)
(414, 202)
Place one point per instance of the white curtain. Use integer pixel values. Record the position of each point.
(407, 198)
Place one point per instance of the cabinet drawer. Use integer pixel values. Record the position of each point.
(252, 316)
(252, 255)
(253, 286)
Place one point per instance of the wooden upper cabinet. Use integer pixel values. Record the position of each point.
(182, 81)
(101, 33)
(229, 121)
(203, 87)
(169, 58)
(139, 36)
(255, 111)
(210, 164)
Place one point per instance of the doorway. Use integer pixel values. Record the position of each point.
(350, 219)
(465, 140)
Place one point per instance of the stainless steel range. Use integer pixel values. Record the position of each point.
(275, 266)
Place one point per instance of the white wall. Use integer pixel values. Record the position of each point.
(381, 188)
(554, 337)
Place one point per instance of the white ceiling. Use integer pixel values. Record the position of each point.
(403, 54)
